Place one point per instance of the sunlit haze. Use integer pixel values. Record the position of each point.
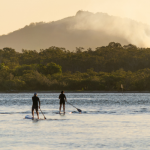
(15, 14)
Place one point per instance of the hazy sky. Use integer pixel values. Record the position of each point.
(15, 14)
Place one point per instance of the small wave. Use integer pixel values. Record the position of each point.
(11, 113)
(35, 120)
(89, 112)
(142, 110)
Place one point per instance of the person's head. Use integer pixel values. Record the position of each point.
(35, 94)
(62, 92)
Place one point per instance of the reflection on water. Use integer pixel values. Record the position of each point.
(108, 121)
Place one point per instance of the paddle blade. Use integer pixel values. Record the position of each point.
(79, 110)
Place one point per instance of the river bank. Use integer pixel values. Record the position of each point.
(67, 91)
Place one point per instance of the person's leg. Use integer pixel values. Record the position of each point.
(64, 107)
(37, 112)
(32, 112)
(60, 108)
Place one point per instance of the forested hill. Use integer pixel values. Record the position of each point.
(104, 68)
(85, 29)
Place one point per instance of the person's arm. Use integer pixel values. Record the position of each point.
(39, 103)
(59, 96)
(65, 98)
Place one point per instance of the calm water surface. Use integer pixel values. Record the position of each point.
(109, 121)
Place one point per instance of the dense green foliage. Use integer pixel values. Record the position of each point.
(104, 68)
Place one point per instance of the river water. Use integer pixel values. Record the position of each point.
(109, 121)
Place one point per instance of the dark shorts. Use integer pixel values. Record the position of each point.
(35, 107)
(62, 102)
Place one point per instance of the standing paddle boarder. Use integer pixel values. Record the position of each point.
(62, 98)
(35, 101)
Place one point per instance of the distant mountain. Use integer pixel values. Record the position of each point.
(85, 29)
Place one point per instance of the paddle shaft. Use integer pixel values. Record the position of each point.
(74, 106)
(71, 105)
(42, 113)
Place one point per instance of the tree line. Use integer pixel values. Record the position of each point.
(55, 68)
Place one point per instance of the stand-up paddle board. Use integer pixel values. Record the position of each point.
(62, 113)
(30, 117)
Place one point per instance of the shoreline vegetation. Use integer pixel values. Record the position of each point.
(75, 91)
(106, 69)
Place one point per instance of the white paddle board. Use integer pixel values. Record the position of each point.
(30, 117)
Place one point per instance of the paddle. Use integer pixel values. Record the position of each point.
(42, 113)
(79, 110)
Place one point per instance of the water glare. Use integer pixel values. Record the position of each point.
(108, 121)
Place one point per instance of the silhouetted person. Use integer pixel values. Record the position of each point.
(35, 101)
(62, 98)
